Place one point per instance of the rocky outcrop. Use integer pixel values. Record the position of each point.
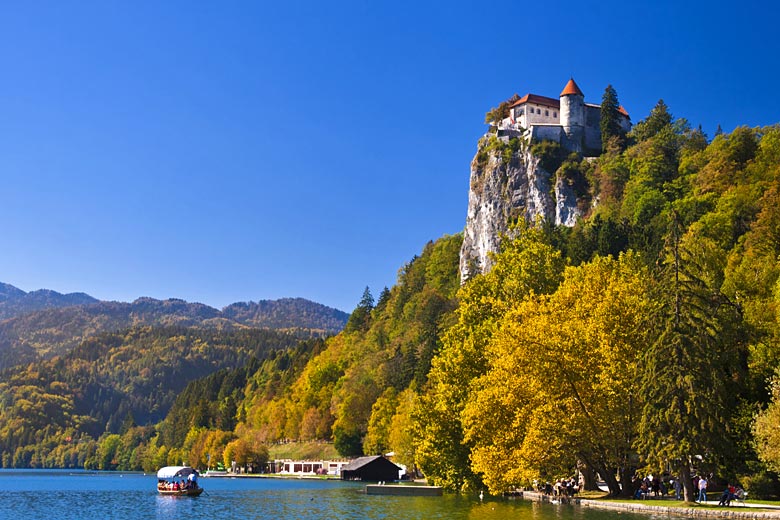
(508, 182)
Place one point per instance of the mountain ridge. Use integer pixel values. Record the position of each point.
(44, 323)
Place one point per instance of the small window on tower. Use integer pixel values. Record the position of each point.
(555, 114)
(538, 110)
(546, 113)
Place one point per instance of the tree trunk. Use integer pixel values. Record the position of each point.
(609, 477)
(687, 482)
(589, 480)
(625, 481)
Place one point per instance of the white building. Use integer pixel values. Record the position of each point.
(567, 120)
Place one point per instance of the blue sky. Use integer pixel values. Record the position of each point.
(233, 151)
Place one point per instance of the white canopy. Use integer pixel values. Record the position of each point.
(175, 471)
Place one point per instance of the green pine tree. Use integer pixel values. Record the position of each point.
(686, 373)
(610, 117)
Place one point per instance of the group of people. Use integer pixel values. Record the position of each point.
(657, 486)
(650, 484)
(191, 482)
(563, 487)
(731, 492)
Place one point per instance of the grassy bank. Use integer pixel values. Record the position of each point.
(303, 451)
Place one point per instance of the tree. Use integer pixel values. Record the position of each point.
(574, 403)
(685, 373)
(401, 434)
(501, 112)
(610, 117)
(377, 438)
(659, 118)
(526, 264)
(767, 429)
(360, 319)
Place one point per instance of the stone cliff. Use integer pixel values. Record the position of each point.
(508, 182)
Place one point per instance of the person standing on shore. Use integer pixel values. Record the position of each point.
(702, 490)
(677, 489)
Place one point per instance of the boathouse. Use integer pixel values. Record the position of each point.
(375, 468)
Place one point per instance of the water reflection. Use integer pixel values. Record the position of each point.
(60, 496)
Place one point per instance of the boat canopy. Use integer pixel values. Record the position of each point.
(175, 471)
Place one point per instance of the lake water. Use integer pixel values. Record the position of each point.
(63, 495)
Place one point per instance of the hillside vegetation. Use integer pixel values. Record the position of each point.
(52, 331)
(54, 410)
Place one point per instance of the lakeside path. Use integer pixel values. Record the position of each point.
(746, 511)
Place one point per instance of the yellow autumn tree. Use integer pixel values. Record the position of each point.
(527, 264)
(560, 385)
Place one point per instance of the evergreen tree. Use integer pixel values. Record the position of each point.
(659, 118)
(384, 297)
(360, 319)
(610, 117)
(686, 372)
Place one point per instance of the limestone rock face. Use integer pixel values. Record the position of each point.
(500, 191)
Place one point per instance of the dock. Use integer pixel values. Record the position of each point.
(399, 490)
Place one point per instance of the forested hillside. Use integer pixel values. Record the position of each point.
(55, 331)
(53, 411)
(641, 340)
(356, 388)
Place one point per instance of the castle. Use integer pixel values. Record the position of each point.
(567, 120)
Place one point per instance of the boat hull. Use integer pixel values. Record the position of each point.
(181, 492)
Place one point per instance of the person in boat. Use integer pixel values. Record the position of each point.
(192, 480)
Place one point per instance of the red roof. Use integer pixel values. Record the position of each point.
(539, 100)
(571, 88)
(623, 111)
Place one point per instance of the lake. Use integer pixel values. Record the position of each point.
(62, 495)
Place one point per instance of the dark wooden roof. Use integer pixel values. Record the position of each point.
(360, 462)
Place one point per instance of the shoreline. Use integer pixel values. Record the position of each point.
(740, 512)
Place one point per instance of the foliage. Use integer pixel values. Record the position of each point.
(48, 332)
(689, 370)
(501, 112)
(360, 319)
(767, 430)
(551, 155)
(526, 265)
(610, 118)
(344, 391)
(492, 145)
(583, 340)
(94, 390)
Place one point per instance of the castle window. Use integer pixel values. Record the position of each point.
(546, 113)
(555, 114)
(538, 110)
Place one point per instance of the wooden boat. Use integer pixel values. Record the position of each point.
(178, 481)
(193, 492)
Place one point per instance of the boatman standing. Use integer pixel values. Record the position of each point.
(193, 478)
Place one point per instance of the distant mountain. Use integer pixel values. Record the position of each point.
(54, 323)
(275, 314)
(15, 302)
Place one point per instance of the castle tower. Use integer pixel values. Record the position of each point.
(573, 115)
